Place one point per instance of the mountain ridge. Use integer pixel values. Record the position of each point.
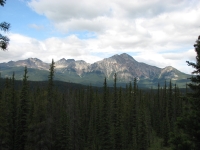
(126, 67)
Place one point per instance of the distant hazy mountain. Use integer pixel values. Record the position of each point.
(126, 67)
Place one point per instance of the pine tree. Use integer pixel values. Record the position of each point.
(115, 116)
(166, 122)
(119, 126)
(134, 121)
(50, 130)
(12, 115)
(142, 126)
(170, 106)
(105, 120)
(189, 123)
(4, 115)
(22, 130)
(157, 113)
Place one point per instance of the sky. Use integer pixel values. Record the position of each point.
(156, 32)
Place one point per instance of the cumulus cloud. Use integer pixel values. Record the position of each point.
(162, 33)
(165, 24)
(190, 55)
(177, 60)
(22, 47)
(63, 10)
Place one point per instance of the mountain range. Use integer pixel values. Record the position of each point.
(126, 67)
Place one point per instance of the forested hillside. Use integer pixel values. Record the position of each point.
(85, 118)
(56, 115)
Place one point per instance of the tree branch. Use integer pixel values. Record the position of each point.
(4, 26)
(2, 2)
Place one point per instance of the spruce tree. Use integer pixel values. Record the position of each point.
(115, 115)
(170, 106)
(105, 120)
(142, 127)
(166, 122)
(12, 115)
(50, 130)
(22, 130)
(189, 123)
(4, 115)
(119, 126)
(134, 121)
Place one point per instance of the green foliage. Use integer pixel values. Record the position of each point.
(4, 41)
(22, 130)
(80, 117)
(95, 79)
(187, 133)
(105, 131)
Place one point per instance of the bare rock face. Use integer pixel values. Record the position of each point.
(29, 63)
(79, 66)
(169, 73)
(63, 63)
(126, 67)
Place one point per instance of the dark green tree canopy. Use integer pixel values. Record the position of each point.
(195, 85)
(188, 124)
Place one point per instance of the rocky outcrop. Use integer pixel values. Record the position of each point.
(126, 67)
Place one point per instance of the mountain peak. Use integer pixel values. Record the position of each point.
(33, 59)
(126, 67)
(124, 57)
(70, 60)
(168, 68)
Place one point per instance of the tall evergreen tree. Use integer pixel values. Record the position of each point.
(50, 130)
(170, 106)
(142, 126)
(189, 123)
(23, 113)
(115, 115)
(166, 122)
(134, 121)
(106, 143)
(4, 115)
(12, 115)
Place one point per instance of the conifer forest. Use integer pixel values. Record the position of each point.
(86, 118)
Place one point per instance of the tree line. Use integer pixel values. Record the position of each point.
(85, 119)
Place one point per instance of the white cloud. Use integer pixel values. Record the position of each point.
(63, 10)
(177, 60)
(162, 33)
(190, 55)
(22, 47)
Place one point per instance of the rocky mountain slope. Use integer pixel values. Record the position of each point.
(126, 67)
